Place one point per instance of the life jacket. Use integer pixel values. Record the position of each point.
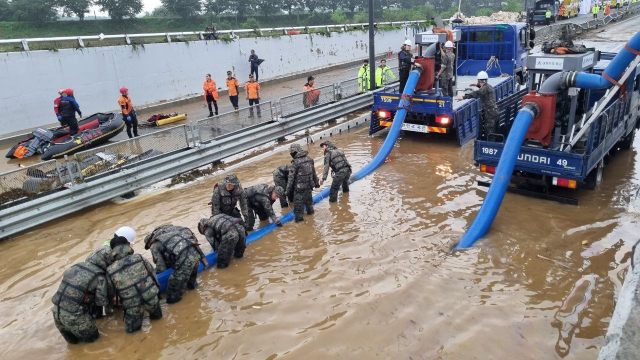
(125, 104)
(337, 160)
(256, 192)
(134, 284)
(304, 170)
(404, 65)
(222, 224)
(282, 171)
(74, 294)
(228, 199)
(175, 244)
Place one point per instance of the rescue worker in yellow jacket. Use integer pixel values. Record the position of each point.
(128, 113)
(384, 74)
(364, 76)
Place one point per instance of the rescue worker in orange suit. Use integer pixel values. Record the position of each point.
(67, 111)
(252, 89)
(233, 86)
(56, 103)
(128, 113)
(310, 95)
(211, 94)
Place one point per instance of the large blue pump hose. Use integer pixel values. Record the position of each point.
(378, 160)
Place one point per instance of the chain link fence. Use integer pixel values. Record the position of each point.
(297, 103)
(28, 182)
(221, 125)
(115, 156)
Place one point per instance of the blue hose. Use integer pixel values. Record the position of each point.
(614, 70)
(507, 163)
(381, 156)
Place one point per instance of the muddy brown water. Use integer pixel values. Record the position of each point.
(369, 277)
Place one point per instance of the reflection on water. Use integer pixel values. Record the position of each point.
(369, 276)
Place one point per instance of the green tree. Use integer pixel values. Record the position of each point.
(34, 10)
(484, 12)
(312, 5)
(513, 6)
(6, 13)
(339, 17)
(159, 11)
(75, 7)
(267, 7)
(183, 8)
(289, 5)
(119, 9)
(251, 23)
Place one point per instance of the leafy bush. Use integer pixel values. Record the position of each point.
(484, 12)
(339, 17)
(251, 23)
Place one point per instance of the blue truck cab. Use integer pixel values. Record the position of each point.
(540, 11)
(581, 142)
(499, 49)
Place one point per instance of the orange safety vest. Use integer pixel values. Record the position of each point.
(209, 87)
(233, 85)
(311, 94)
(252, 89)
(125, 104)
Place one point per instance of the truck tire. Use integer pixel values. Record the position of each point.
(595, 177)
(627, 142)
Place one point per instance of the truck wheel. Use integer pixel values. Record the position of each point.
(595, 176)
(627, 142)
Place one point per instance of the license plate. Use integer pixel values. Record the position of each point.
(415, 127)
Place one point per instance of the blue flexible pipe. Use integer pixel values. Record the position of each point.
(495, 195)
(381, 156)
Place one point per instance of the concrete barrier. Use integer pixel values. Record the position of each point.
(158, 72)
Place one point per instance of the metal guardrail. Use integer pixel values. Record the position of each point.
(220, 125)
(299, 102)
(26, 183)
(95, 190)
(200, 34)
(113, 157)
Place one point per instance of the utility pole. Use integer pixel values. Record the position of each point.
(372, 51)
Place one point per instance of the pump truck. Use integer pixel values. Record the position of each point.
(577, 130)
(498, 49)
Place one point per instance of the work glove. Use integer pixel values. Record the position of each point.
(246, 227)
(466, 97)
(317, 186)
(59, 117)
(128, 117)
(279, 223)
(80, 114)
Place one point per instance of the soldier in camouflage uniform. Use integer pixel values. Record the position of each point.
(260, 199)
(227, 235)
(225, 197)
(135, 283)
(280, 177)
(487, 97)
(447, 69)
(177, 248)
(335, 160)
(83, 286)
(302, 179)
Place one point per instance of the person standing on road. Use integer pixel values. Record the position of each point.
(280, 177)
(446, 69)
(547, 16)
(226, 235)
(255, 62)
(252, 88)
(233, 86)
(302, 180)
(177, 248)
(210, 94)
(607, 10)
(226, 195)
(310, 95)
(128, 113)
(404, 63)
(56, 103)
(487, 97)
(335, 160)
(364, 77)
(384, 74)
(135, 283)
(67, 111)
(260, 199)
(594, 11)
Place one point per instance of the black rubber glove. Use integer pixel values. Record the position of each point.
(280, 224)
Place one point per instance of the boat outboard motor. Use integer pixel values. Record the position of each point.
(41, 138)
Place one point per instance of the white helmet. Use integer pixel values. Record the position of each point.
(407, 42)
(449, 44)
(482, 75)
(127, 232)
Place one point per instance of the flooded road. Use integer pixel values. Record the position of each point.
(371, 276)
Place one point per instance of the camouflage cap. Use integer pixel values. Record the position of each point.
(279, 191)
(295, 148)
(202, 225)
(232, 179)
(147, 240)
(326, 142)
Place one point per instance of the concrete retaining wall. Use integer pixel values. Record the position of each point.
(158, 72)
